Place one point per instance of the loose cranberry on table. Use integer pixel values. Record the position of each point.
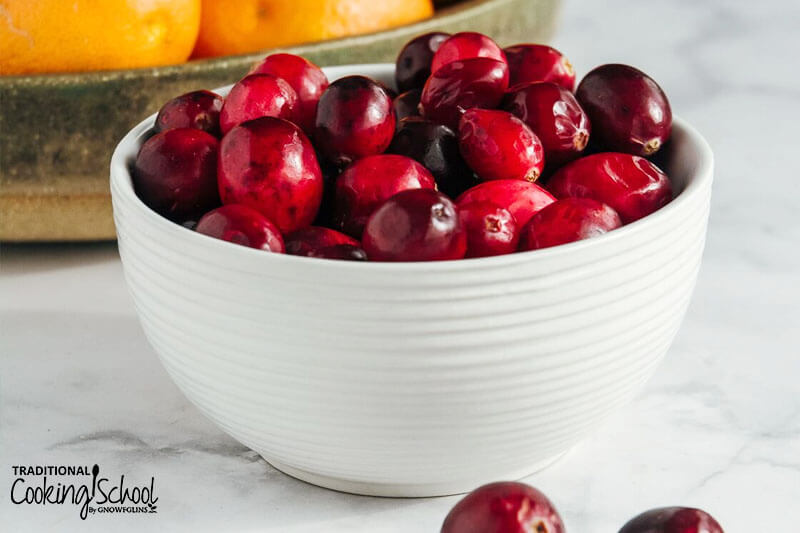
(460, 85)
(243, 225)
(342, 252)
(414, 61)
(257, 95)
(175, 173)
(556, 117)
(355, 118)
(568, 220)
(435, 146)
(415, 225)
(673, 520)
(498, 145)
(311, 239)
(629, 111)
(504, 507)
(197, 109)
(369, 182)
(407, 104)
(306, 78)
(270, 165)
(538, 62)
(466, 45)
(491, 230)
(633, 186)
(522, 199)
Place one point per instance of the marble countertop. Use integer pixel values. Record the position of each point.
(718, 427)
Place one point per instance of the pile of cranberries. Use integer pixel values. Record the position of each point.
(451, 167)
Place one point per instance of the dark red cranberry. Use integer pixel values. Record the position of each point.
(633, 186)
(466, 45)
(369, 182)
(257, 95)
(460, 85)
(415, 225)
(538, 62)
(521, 198)
(355, 118)
(414, 61)
(629, 111)
(343, 252)
(330, 173)
(197, 109)
(491, 230)
(309, 240)
(243, 225)
(175, 173)
(270, 165)
(504, 507)
(568, 220)
(498, 145)
(306, 78)
(556, 117)
(673, 520)
(435, 146)
(407, 104)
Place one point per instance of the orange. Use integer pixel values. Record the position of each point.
(241, 26)
(80, 35)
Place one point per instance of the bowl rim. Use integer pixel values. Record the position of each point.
(122, 189)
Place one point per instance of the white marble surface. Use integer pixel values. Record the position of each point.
(718, 427)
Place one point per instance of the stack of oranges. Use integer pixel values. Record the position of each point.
(84, 35)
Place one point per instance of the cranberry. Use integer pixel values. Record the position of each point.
(491, 230)
(269, 164)
(415, 225)
(306, 78)
(466, 45)
(673, 520)
(257, 95)
(197, 109)
(414, 61)
(521, 198)
(568, 220)
(556, 117)
(478, 82)
(629, 111)
(344, 252)
(435, 146)
(243, 225)
(538, 62)
(498, 145)
(407, 104)
(355, 118)
(175, 173)
(369, 182)
(309, 240)
(631, 185)
(504, 507)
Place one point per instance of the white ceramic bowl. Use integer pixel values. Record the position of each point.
(414, 379)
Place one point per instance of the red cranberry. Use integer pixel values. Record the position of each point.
(175, 173)
(538, 62)
(556, 117)
(466, 45)
(435, 146)
(415, 225)
(498, 145)
(491, 230)
(270, 165)
(407, 104)
(460, 85)
(504, 507)
(343, 252)
(568, 220)
(257, 95)
(629, 111)
(369, 182)
(306, 78)
(355, 118)
(673, 520)
(243, 225)
(414, 61)
(197, 109)
(521, 198)
(633, 186)
(307, 241)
